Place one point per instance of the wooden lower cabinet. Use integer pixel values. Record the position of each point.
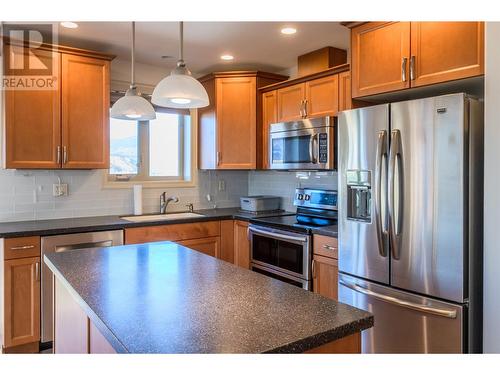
(241, 244)
(21, 302)
(209, 246)
(347, 345)
(325, 276)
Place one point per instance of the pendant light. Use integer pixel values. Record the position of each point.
(132, 106)
(180, 89)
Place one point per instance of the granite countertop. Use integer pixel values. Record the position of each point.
(99, 223)
(330, 231)
(165, 298)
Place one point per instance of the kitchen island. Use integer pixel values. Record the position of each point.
(162, 297)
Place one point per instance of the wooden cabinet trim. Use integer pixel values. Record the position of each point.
(269, 116)
(21, 302)
(345, 99)
(21, 247)
(241, 244)
(227, 250)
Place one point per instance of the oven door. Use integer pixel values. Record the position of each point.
(302, 149)
(286, 278)
(283, 251)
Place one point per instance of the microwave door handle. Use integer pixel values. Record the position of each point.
(311, 149)
(380, 221)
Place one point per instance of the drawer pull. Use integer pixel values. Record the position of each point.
(328, 247)
(23, 247)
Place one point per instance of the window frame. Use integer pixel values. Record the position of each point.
(187, 159)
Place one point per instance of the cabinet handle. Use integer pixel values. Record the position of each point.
(65, 155)
(58, 154)
(412, 68)
(313, 269)
(305, 108)
(25, 247)
(328, 247)
(217, 155)
(403, 69)
(37, 271)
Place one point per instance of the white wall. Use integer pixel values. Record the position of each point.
(491, 339)
(283, 184)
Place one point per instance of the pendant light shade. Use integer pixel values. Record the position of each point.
(132, 106)
(180, 89)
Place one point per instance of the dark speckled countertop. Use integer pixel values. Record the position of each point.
(165, 298)
(100, 223)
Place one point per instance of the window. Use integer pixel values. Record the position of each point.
(156, 152)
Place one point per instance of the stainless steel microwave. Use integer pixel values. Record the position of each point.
(305, 144)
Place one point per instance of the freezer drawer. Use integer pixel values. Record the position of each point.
(404, 322)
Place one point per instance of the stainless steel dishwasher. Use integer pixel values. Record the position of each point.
(65, 242)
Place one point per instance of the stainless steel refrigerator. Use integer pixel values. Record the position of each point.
(410, 223)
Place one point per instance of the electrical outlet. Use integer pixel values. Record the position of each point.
(222, 185)
(58, 190)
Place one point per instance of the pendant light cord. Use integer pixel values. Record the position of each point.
(181, 44)
(132, 79)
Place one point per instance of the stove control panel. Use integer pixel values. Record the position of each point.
(316, 198)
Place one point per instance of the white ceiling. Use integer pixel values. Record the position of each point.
(255, 45)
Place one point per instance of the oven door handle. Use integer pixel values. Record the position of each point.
(278, 236)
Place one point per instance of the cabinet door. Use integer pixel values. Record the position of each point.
(290, 102)
(241, 244)
(322, 96)
(444, 51)
(21, 301)
(209, 246)
(32, 118)
(325, 276)
(269, 116)
(236, 122)
(380, 54)
(345, 99)
(85, 112)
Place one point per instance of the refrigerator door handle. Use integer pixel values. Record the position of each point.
(451, 314)
(379, 220)
(395, 215)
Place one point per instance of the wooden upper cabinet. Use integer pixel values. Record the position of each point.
(269, 116)
(322, 96)
(21, 301)
(380, 54)
(291, 102)
(230, 128)
(445, 51)
(236, 122)
(32, 118)
(85, 112)
(345, 99)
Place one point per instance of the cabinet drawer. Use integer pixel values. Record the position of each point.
(22, 247)
(172, 232)
(325, 246)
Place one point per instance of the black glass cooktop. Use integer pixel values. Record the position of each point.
(296, 223)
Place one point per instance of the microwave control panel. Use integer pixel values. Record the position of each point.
(323, 148)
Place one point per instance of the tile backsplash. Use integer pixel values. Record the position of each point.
(283, 184)
(27, 195)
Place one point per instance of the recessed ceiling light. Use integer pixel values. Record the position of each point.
(227, 57)
(288, 30)
(69, 25)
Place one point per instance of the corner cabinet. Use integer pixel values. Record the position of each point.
(67, 127)
(230, 128)
(392, 56)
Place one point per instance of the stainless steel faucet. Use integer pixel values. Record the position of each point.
(164, 201)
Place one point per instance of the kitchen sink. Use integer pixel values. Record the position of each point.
(161, 217)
